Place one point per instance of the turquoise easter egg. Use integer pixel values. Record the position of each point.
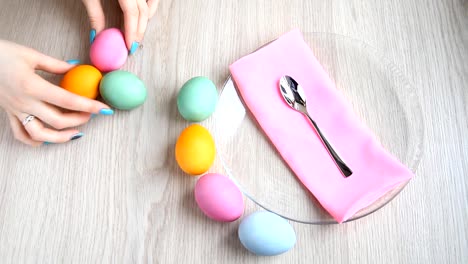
(122, 90)
(266, 234)
(197, 99)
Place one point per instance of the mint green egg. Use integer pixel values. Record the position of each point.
(122, 90)
(197, 99)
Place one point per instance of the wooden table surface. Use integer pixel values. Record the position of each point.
(116, 195)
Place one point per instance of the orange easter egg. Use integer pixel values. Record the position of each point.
(195, 150)
(82, 80)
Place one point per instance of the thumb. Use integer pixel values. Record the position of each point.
(152, 5)
(95, 14)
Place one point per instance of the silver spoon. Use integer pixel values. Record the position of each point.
(294, 96)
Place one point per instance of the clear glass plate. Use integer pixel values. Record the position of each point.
(380, 95)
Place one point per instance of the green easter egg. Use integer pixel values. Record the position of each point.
(197, 99)
(122, 90)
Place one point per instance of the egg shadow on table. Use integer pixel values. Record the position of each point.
(233, 242)
(174, 115)
(177, 124)
(230, 238)
(190, 205)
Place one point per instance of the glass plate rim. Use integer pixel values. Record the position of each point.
(417, 156)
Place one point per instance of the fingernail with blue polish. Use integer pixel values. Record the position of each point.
(77, 136)
(106, 111)
(134, 47)
(47, 143)
(92, 36)
(73, 62)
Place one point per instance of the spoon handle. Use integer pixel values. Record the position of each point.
(345, 170)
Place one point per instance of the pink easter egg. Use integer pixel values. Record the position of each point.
(108, 51)
(219, 198)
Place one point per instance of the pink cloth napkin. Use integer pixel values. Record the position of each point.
(375, 171)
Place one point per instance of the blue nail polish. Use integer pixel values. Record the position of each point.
(134, 47)
(92, 36)
(74, 62)
(47, 143)
(77, 136)
(106, 111)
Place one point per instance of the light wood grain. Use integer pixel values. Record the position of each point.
(116, 195)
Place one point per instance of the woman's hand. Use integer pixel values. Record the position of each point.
(136, 15)
(24, 93)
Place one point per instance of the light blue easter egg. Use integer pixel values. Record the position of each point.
(122, 90)
(266, 234)
(197, 99)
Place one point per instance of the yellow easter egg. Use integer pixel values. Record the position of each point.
(195, 150)
(82, 80)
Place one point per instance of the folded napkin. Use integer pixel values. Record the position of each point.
(375, 171)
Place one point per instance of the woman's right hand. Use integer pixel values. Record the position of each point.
(136, 15)
(23, 93)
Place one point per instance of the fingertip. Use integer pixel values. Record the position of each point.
(53, 65)
(128, 40)
(100, 108)
(76, 136)
(106, 111)
(35, 144)
(96, 18)
(101, 105)
(92, 35)
(97, 27)
(153, 6)
(133, 47)
(73, 62)
(131, 14)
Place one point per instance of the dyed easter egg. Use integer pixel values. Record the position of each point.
(266, 234)
(122, 90)
(197, 99)
(82, 80)
(219, 198)
(195, 150)
(108, 51)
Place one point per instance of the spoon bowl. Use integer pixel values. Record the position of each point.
(294, 96)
